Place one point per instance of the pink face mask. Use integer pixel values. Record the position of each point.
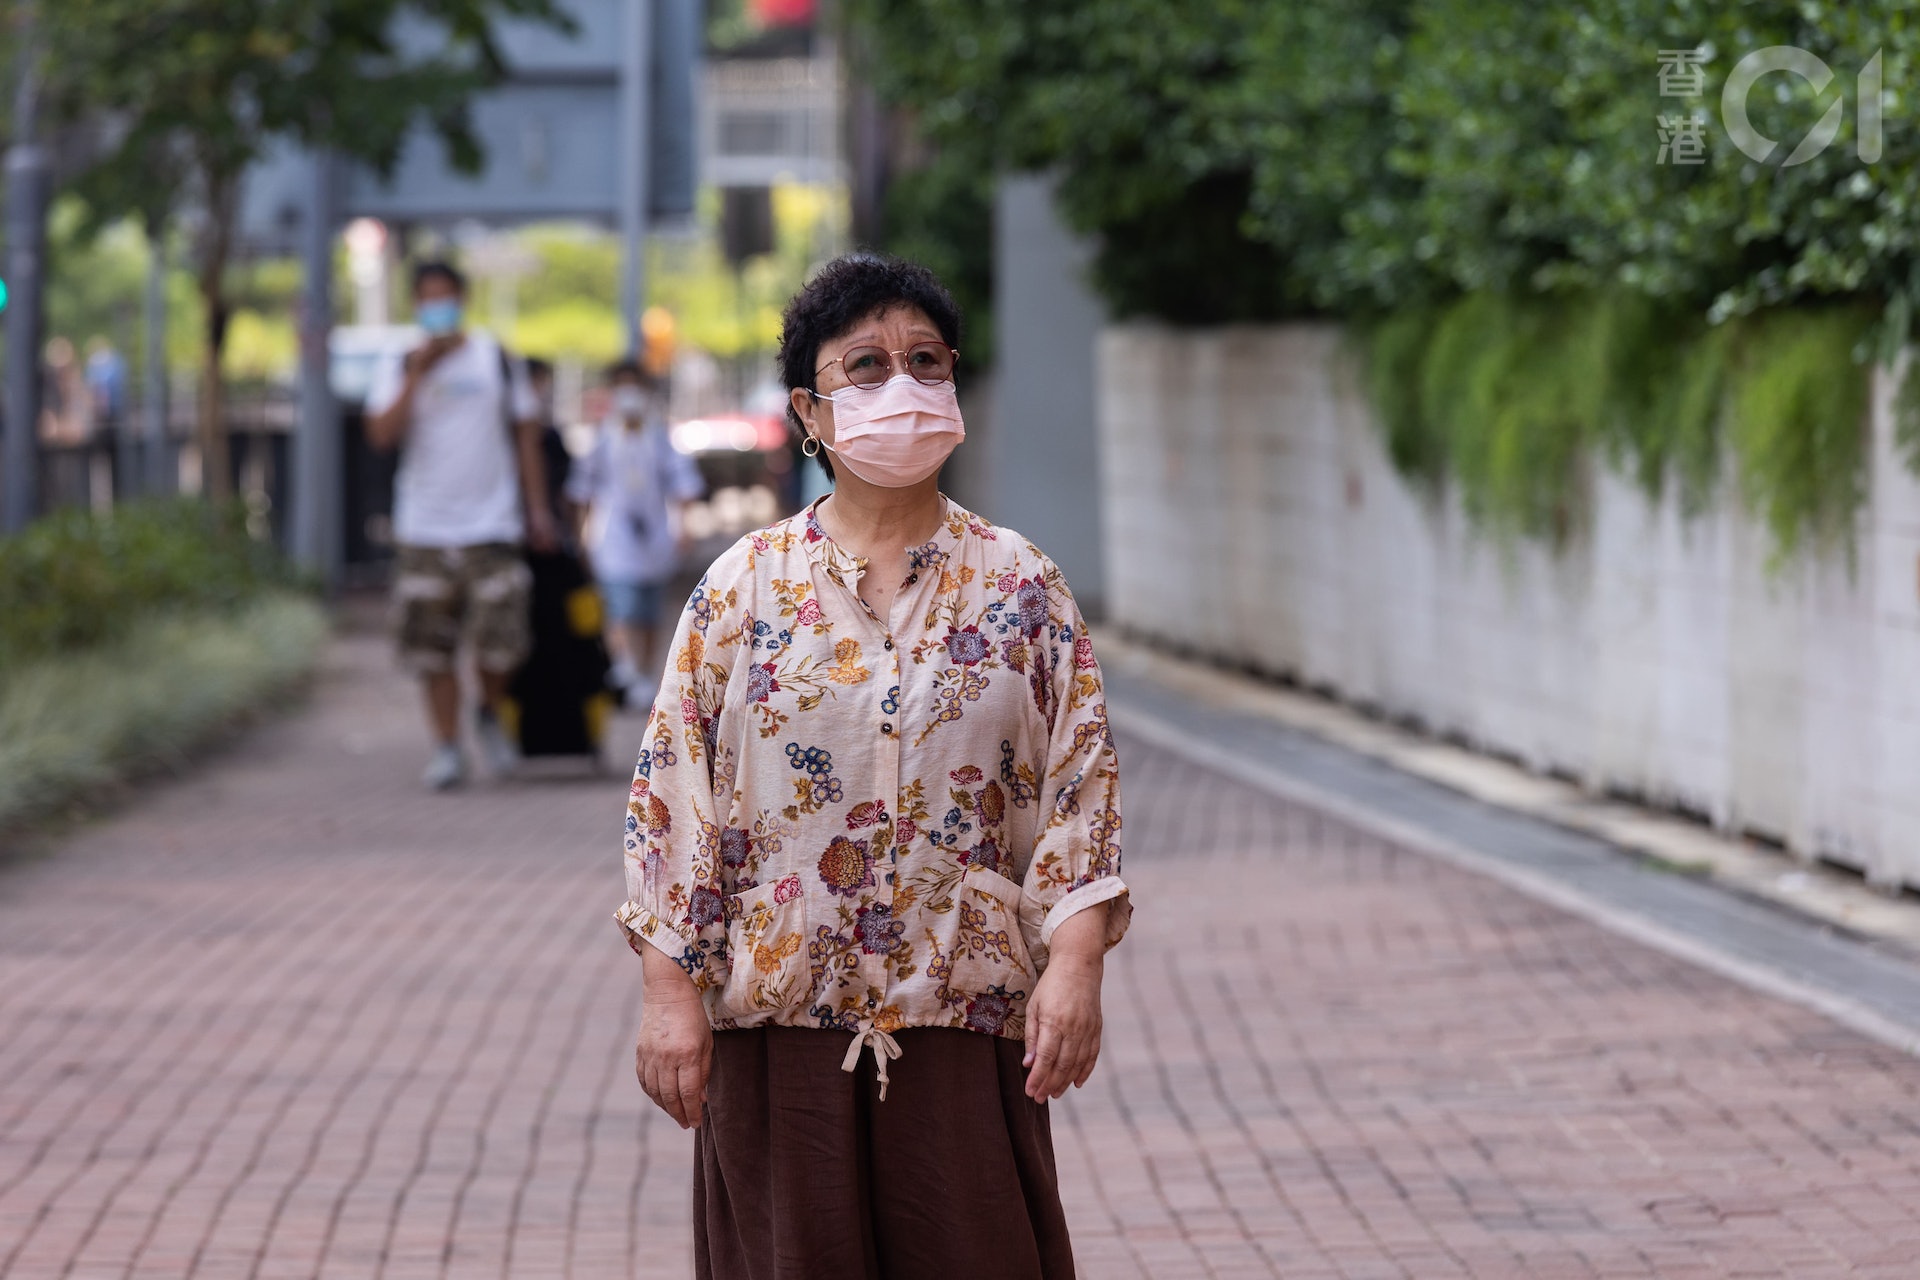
(897, 434)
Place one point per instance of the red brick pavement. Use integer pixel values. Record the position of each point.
(292, 1018)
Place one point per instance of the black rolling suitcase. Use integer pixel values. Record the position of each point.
(560, 696)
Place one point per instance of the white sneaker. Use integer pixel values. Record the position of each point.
(503, 757)
(446, 770)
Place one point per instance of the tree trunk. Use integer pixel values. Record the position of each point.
(216, 470)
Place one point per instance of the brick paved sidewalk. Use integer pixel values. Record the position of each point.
(294, 1018)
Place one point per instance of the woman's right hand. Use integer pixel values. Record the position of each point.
(675, 1052)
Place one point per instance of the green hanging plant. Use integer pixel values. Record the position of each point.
(1508, 399)
(1906, 418)
(1796, 416)
(1502, 399)
(1685, 411)
(1521, 457)
(1392, 348)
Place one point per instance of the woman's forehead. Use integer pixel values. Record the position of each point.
(899, 317)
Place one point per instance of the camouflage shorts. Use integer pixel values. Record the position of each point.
(439, 593)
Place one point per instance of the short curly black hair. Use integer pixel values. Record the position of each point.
(442, 269)
(628, 367)
(851, 288)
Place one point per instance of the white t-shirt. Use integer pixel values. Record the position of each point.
(459, 479)
(629, 477)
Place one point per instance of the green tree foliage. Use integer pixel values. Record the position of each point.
(1476, 185)
(1530, 135)
(190, 93)
(1129, 100)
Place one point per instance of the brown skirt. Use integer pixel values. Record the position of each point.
(803, 1173)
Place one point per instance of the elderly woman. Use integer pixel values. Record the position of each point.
(872, 849)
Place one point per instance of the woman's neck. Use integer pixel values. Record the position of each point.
(867, 519)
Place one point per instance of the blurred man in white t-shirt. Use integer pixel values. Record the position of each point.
(470, 488)
(633, 489)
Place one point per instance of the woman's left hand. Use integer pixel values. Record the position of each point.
(1063, 1014)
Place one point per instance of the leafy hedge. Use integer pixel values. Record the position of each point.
(129, 638)
(1457, 173)
(75, 725)
(1247, 160)
(74, 580)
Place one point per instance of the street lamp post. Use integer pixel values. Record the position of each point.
(28, 179)
(158, 479)
(317, 462)
(636, 132)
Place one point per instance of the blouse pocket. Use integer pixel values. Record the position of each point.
(990, 960)
(767, 951)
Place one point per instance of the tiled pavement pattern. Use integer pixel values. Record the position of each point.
(290, 1017)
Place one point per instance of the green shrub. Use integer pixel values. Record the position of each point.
(73, 723)
(74, 580)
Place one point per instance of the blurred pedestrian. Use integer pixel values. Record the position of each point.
(66, 411)
(633, 488)
(560, 691)
(553, 445)
(107, 382)
(471, 484)
(872, 848)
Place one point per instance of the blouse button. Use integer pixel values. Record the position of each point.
(887, 729)
(889, 643)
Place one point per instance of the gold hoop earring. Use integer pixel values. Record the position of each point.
(814, 452)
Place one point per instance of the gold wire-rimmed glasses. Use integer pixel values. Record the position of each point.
(868, 367)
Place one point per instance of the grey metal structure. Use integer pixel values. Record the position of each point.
(635, 179)
(768, 120)
(1042, 472)
(563, 138)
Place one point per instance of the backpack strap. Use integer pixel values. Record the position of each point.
(506, 410)
(506, 388)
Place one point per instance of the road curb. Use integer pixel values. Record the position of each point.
(1640, 927)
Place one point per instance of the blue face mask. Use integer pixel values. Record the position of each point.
(440, 317)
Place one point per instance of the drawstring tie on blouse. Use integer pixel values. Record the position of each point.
(884, 1048)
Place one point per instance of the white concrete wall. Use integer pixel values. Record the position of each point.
(1252, 515)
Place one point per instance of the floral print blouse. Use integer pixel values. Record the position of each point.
(847, 821)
